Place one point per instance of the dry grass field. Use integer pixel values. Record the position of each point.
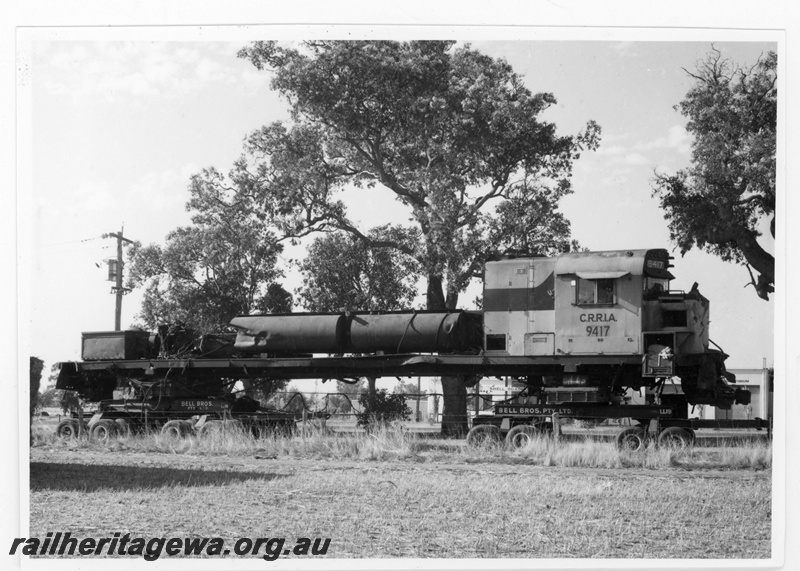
(394, 494)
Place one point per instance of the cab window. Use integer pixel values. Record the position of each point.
(595, 292)
(654, 287)
(660, 284)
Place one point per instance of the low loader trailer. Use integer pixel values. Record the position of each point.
(580, 330)
(157, 395)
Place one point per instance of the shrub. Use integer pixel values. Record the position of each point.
(386, 408)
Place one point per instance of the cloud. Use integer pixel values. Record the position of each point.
(677, 139)
(153, 204)
(623, 155)
(88, 196)
(113, 70)
(635, 159)
(664, 170)
(162, 192)
(612, 150)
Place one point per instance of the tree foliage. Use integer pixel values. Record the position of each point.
(342, 272)
(408, 388)
(222, 265)
(264, 390)
(449, 131)
(69, 401)
(384, 409)
(36, 366)
(296, 402)
(721, 200)
(49, 398)
(452, 134)
(346, 395)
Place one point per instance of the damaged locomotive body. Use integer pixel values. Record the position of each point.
(574, 313)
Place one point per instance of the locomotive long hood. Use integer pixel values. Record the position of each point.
(615, 263)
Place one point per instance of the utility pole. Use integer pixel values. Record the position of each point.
(419, 396)
(118, 289)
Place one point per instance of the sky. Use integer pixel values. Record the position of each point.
(117, 128)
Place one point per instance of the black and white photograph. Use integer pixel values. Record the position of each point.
(375, 292)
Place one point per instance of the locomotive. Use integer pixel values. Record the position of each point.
(579, 329)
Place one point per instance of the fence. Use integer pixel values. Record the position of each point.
(345, 406)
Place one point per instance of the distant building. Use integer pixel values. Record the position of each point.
(757, 382)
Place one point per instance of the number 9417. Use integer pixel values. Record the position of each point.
(598, 330)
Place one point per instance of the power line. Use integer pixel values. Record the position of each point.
(50, 244)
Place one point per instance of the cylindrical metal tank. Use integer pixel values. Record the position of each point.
(299, 333)
(411, 332)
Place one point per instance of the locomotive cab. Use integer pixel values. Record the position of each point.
(582, 307)
(599, 302)
(584, 303)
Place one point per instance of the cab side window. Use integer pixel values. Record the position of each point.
(595, 292)
(605, 292)
(585, 292)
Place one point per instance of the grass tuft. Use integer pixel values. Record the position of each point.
(393, 442)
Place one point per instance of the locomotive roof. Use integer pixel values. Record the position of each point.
(615, 263)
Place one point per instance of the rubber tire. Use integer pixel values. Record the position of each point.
(676, 437)
(176, 429)
(104, 430)
(484, 435)
(210, 428)
(123, 427)
(631, 439)
(67, 429)
(519, 436)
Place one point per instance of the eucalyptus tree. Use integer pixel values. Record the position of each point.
(720, 202)
(222, 265)
(452, 134)
(341, 272)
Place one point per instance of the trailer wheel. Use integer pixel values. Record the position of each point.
(676, 437)
(484, 435)
(103, 430)
(123, 427)
(176, 429)
(210, 428)
(631, 439)
(522, 434)
(67, 429)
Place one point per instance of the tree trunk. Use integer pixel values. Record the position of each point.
(371, 394)
(759, 259)
(454, 389)
(435, 295)
(762, 262)
(454, 413)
